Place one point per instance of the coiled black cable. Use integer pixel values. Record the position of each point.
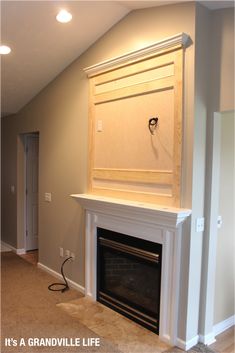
(65, 284)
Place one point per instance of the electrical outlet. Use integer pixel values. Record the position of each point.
(72, 254)
(219, 222)
(200, 222)
(61, 252)
(67, 253)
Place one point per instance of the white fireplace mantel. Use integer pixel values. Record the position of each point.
(151, 213)
(151, 222)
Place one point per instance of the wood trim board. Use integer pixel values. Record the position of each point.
(130, 84)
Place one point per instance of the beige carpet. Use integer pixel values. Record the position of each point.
(29, 310)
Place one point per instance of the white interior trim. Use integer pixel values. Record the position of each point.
(181, 39)
(186, 345)
(224, 325)
(217, 329)
(151, 222)
(21, 251)
(5, 247)
(210, 242)
(208, 339)
(55, 274)
(166, 215)
(12, 248)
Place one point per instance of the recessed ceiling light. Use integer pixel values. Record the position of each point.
(64, 16)
(4, 49)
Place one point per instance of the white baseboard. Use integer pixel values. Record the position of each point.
(186, 345)
(207, 339)
(73, 284)
(224, 325)
(20, 251)
(5, 246)
(12, 248)
(217, 329)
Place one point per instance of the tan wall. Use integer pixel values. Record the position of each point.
(221, 92)
(8, 178)
(225, 274)
(60, 114)
(223, 50)
(202, 37)
(220, 97)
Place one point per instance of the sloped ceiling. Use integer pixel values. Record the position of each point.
(42, 47)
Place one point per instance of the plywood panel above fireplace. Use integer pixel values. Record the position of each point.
(125, 142)
(126, 160)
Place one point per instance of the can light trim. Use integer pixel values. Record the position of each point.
(4, 49)
(64, 16)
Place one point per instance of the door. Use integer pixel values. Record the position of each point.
(32, 151)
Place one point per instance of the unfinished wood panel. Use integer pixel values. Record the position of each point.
(134, 90)
(133, 68)
(142, 188)
(125, 141)
(126, 160)
(128, 175)
(136, 78)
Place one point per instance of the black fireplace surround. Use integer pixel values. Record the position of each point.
(129, 276)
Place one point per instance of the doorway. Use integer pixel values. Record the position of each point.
(31, 148)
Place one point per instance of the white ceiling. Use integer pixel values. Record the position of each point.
(42, 47)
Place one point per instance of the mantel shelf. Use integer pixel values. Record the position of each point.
(153, 213)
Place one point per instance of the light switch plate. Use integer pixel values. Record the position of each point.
(99, 125)
(47, 196)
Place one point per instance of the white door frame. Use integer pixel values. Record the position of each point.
(207, 335)
(36, 134)
(20, 190)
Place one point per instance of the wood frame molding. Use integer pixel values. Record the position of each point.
(121, 78)
(150, 176)
(179, 40)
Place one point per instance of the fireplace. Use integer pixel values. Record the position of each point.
(129, 276)
(140, 221)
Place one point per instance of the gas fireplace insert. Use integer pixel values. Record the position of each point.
(129, 276)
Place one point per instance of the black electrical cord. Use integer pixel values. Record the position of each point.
(64, 285)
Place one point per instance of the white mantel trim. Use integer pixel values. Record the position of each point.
(155, 223)
(181, 39)
(133, 209)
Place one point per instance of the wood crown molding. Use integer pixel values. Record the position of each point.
(181, 39)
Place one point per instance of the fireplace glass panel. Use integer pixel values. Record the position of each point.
(129, 276)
